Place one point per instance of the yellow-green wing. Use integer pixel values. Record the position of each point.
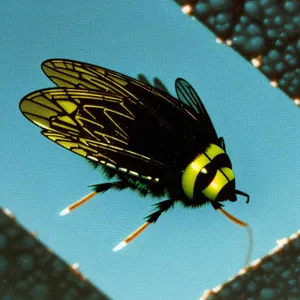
(164, 132)
(74, 74)
(91, 124)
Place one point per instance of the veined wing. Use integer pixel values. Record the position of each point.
(91, 124)
(165, 131)
(193, 124)
(74, 74)
(187, 94)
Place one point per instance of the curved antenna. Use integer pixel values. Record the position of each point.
(245, 225)
(243, 194)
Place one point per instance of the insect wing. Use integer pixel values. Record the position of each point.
(178, 119)
(164, 130)
(90, 124)
(74, 74)
(186, 94)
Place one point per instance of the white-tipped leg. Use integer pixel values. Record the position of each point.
(120, 246)
(131, 237)
(64, 211)
(74, 205)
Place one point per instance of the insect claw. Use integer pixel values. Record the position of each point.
(248, 198)
(216, 205)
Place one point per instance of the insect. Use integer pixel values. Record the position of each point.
(146, 139)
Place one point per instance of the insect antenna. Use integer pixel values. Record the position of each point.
(97, 188)
(243, 194)
(242, 224)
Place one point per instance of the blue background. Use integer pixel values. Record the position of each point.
(186, 251)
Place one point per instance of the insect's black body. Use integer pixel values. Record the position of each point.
(152, 142)
(165, 139)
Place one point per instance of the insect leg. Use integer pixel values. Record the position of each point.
(97, 188)
(103, 187)
(152, 218)
(162, 207)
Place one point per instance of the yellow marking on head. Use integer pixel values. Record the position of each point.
(214, 150)
(191, 172)
(195, 166)
(198, 165)
(228, 172)
(214, 185)
(219, 181)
